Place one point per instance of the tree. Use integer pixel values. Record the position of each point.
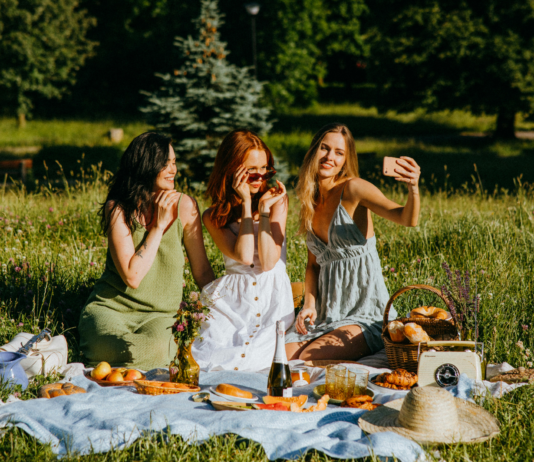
(455, 54)
(205, 97)
(42, 45)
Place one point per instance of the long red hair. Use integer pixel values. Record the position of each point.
(232, 153)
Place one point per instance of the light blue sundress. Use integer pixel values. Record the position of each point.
(351, 289)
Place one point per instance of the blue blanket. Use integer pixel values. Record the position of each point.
(106, 418)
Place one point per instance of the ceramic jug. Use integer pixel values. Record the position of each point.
(11, 369)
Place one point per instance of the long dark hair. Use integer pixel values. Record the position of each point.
(131, 187)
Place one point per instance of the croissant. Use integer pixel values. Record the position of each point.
(415, 333)
(396, 331)
(402, 378)
(59, 389)
(428, 312)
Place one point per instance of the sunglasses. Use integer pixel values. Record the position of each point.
(253, 177)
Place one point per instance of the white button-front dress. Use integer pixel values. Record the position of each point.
(241, 334)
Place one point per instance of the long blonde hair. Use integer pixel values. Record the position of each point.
(308, 186)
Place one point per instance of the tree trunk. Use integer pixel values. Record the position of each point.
(22, 120)
(505, 124)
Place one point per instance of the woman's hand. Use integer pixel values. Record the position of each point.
(240, 184)
(309, 312)
(410, 172)
(271, 197)
(165, 203)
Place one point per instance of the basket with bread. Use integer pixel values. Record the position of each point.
(402, 336)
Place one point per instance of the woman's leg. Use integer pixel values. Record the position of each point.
(346, 342)
(293, 350)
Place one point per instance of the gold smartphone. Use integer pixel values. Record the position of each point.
(390, 165)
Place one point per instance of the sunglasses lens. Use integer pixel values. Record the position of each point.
(253, 177)
(268, 175)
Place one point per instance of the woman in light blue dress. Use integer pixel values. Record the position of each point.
(345, 293)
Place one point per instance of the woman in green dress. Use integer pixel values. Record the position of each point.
(127, 317)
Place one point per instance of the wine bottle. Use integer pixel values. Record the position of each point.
(280, 383)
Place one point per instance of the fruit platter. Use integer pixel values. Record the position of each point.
(107, 376)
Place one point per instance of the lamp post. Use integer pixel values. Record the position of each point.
(253, 9)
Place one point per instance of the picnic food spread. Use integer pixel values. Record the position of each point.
(399, 379)
(429, 312)
(59, 389)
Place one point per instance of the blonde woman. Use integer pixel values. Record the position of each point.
(345, 293)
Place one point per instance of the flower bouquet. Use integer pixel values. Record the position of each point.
(189, 319)
(463, 305)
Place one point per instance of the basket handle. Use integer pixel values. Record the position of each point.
(406, 289)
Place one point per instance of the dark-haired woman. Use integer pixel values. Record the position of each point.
(345, 292)
(127, 317)
(247, 221)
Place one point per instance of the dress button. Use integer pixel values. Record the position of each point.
(236, 369)
(258, 315)
(251, 336)
(247, 343)
(252, 266)
(243, 355)
(253, 283)
(256, 298)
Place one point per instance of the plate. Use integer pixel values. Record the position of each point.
(234, 398)
(228, 406)
(105, 383)
(319, 390)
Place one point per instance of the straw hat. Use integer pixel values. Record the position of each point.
(432, 415)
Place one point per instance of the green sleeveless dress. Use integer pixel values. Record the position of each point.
(131, 327)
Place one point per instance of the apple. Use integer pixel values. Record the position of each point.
(115, 376)
(132, 374)
(101, 370)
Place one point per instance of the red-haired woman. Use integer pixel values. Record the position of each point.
(247, 221)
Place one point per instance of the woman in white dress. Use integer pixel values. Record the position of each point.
(247, 221)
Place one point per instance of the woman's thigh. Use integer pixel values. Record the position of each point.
(347, 342)
(293, 350)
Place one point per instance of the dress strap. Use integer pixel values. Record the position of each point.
(178, 206)
(343, 190)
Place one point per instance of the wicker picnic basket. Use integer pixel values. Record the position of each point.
(404, 355)
(147, 387)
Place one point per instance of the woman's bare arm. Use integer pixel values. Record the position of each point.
(133, 265)
(310, 294)
(194, 242)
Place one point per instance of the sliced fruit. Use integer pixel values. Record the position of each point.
(298, 400)
(320, 406)
(272, 407)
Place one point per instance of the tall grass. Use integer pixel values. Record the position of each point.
(52, 253)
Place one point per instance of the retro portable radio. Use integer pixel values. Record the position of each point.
(443, 368)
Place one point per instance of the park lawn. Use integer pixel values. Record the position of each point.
(51, 253)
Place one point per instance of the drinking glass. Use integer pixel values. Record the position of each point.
(331, 372)
(361, 380)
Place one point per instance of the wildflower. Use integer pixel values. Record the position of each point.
(11, 260)
(8, 229)
(193, 296)
(199, 317)
(51, 209)
(520, 345)
(19, 231)
(92, 263)
(179, 327)
(490, 295)
(186, 271)
(525, 327)
(482, 272)
(17, 394)
(392, 270)
(418, 260)
(186, 260)
(18, 268)
(60, 223)
(183, 305)
(48, 226)
(20, 324)
(183, 284)
(529, 363)
(30, 223)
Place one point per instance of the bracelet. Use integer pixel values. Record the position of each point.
(266, 215)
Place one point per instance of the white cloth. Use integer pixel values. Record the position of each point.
(248, 301)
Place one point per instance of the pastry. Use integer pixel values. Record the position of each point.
(59, 389)
(399, 379)
(415, 333)
(396, 331)
(226, 389)
(429, 312)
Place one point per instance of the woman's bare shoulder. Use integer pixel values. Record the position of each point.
(355, 188)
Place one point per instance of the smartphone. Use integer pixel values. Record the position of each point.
(390, 165)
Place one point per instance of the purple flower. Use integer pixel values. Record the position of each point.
(183, 305)
(179, 327)
(92, 263)
(50, 209)
(392, 270)
(17, 268)
(48, 226)
(60, 223)
(525, 327)
(199, 316)
(418, 260)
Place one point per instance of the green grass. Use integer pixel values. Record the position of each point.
(51, 253)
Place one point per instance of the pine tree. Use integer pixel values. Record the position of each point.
(205, 98)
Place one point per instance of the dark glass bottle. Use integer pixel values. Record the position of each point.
(280, 383)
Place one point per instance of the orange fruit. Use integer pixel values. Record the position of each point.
(132, 374)
(115, 376)
(101, 371)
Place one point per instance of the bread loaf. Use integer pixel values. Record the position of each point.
(233, 391)
(396, 331)
(59, 389)
(415, 333)
(429, 312)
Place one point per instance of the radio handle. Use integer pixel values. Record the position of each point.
(450, 343)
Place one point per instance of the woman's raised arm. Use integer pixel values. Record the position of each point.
(133, 265)
(194, 242)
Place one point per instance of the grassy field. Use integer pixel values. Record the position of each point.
(51, 251)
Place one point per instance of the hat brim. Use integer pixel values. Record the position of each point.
(476, 424)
